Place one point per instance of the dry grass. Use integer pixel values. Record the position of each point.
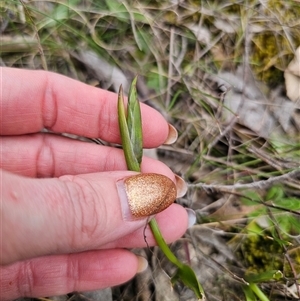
(215, 69)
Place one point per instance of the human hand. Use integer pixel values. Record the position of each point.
(61, 218)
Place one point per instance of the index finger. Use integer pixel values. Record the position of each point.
(33, 100)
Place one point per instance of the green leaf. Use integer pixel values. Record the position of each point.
(188, 277)
(288, 203)
(131, 160)
(274, 193)
(118, 9)
(249, 196)
(60, 13)
(264, 276)
(134, 122)
(288, 223)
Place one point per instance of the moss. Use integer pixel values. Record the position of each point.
(288, 10)
(273, 48)
(294, 259)
(265, 58)
(261, 253)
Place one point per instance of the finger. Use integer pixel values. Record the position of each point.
(65, 215)
(33, 100)
(44, 155)
(62, 274)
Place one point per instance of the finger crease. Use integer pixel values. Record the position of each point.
(25, 279)
(84, 211)
(45, 159)
(49, 105)
(73, 273)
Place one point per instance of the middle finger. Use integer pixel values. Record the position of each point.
(49, 155)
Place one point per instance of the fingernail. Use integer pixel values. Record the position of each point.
(181, 186)
(191, 217)
(145, 194)
(172, 136)
(142, 264)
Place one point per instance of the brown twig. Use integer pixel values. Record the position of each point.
(40, 48)
(255, 185)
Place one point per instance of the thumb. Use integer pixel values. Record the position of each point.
(76, 213)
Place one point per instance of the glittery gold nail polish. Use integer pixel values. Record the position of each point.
(147, 194)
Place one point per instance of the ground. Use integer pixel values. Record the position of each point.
(218, 71)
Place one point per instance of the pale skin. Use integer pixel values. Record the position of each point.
(61, 223)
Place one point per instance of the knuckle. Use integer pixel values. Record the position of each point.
(25, 279)
(86, 207)
(73, 272)
(49, 105)
(45, 159)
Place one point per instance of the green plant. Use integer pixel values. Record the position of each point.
(131, 135)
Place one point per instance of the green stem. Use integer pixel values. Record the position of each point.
(162, 243)
(257, 291)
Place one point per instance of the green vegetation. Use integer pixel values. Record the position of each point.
(243, 174)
